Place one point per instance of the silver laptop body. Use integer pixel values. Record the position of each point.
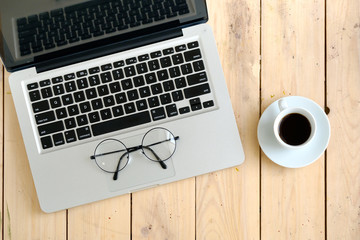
(64, 170)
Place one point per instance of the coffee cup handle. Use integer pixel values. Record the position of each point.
(282, 104)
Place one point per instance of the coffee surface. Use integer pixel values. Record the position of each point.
(294, 129)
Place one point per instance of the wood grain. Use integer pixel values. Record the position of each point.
(343, 155)
(228, 201)
(1, 141)
(23, 218)
(105, 220)
(292, 200)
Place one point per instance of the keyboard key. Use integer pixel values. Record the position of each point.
(168, 86)
(34, 95)
(103, 90)
(156, 89)
(180, 82)
(197, 90)
(70, 86)
(45, 83)
(79, 96)
(193, 45)
(94, 117)
(91, 93)
(82, 83)
(59, 79)
(186, 69)
(162, 75)
(192, 55)
(196, 78)
(158, 114)
(118, 74)
(70, 123)
(46, 142)
(198, 66)
(171, 110)
(97, 104)
(184, 110)
(81, 120)
(32, 86)
(132, 95)
(106, 67)
(177, 59)
(126, 84)
(40, 106)
(46, 92)
(67, 99)
(45, 117)
(177, 96)
(174, 72)
(121, 123)
(85, 107)
(115, 87)
(83, 133)
(82, 73)
(141, 105)
(153, 101)
(141, 68)
(118, 111)
(165, 62)
(168, 51)
(51, 128)
(94, 70)
(58, 89)
(73, 110)
(94, 80)
(155, 54)
(180, 48)
(105, 114)
(69, 76)
(106, 77)
(109, 101)
(130, 71)
(208, 104)
(130, 61)
(58, 139)
(144, 92)
(150, 78)
(120, 98)
(196, 107)
(129, 108)
(165, 99)
(70, 136)
(143, 57)
(119, 64)
(61, 113)
(154, 65)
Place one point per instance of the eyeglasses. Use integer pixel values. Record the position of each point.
(112, 156)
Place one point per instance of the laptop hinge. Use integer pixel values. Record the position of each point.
(118, 46)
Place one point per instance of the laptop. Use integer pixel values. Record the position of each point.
(116, 96)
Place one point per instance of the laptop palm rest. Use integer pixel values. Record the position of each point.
(140, 170)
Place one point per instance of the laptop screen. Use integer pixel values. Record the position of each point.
(34, 32)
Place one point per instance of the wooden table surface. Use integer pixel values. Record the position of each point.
(268, 49)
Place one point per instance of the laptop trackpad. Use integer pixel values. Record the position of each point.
(140, 170)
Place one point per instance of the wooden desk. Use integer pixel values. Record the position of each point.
(269, 49)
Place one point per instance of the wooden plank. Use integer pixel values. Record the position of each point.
(23, 218)
(1, 141)
(107, 219)
(227, 202)
(343, 88)
(165, 212)
(292, 200)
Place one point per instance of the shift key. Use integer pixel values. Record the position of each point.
(197, 90)
(51, 128)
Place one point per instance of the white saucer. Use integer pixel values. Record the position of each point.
(298, 157)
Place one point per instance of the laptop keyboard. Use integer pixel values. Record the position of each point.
(91, 19)
(119, 95)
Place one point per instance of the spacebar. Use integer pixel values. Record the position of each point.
(121, 123)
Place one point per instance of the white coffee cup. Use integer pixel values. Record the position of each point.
(294, 127)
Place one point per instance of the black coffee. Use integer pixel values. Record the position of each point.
(294, 129)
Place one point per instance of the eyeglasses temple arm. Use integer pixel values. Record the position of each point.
(117, 167)
(162, 164)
